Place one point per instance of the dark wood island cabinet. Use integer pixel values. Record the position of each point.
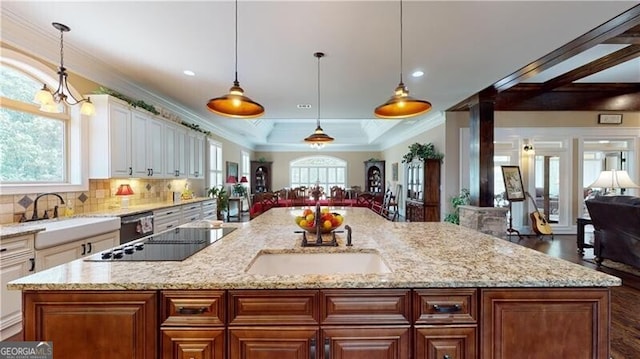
(450, 292)
(454, 323)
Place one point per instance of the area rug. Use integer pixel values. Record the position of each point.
(617, 266)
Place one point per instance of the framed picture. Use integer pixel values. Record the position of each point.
(394, 171)
(232, 171)
(610, 119)
(514, 190)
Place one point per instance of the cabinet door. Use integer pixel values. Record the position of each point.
(155, 148)
(102, 242)
(273, 342)
(170, 137)
(175, 145)
(120, 134)
(443, 342)
(192, 343)
(562, 323)
(65, 253)
(139, 144)
(97, 325)
(195, 155)
(381, 342)
(11, 313)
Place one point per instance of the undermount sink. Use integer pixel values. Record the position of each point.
(318, 263)
(71, 229)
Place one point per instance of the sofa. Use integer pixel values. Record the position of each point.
(616, 221)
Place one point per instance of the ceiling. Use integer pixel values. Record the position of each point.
(142, 48)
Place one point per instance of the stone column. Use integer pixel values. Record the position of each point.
(489, 220)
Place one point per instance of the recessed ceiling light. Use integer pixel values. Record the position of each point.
(189, 73)
(304, 105)
(417, 73)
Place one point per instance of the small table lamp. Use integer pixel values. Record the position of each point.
(124, 191)
(244, 179)
(613, 179)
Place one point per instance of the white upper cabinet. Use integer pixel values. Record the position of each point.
(195, 155)
(110, 139)
(147, 146)
(126, 142)
(174, 151)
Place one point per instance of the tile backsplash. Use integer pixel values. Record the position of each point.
(100, 197)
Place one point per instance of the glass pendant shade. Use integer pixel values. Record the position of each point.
(401, 105)
(52, 101)
(235, 104)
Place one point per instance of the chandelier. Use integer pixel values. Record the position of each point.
(318, 138)
(51, 101)
(235, 104)
(401, 105)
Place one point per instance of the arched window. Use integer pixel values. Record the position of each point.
(318, 170)
(39, 151)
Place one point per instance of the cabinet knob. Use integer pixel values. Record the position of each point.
(446, 356)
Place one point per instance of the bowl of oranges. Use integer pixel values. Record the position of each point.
(328, 220)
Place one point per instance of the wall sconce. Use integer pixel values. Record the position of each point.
(528, 149)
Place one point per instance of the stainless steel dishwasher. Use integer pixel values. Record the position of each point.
(136, 226)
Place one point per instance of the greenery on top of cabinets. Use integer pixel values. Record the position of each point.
(422, 152)
(129, 100)
(460, 200)
(195, 127)
(143, 105)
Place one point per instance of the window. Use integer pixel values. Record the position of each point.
(246, 168)
(46, 148)
(215, 165)
(318, 170)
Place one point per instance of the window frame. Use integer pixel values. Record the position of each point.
(76, 132)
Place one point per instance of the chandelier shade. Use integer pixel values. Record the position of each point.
(318, 139)
(401, 105)
(235, 104)
(52, 101)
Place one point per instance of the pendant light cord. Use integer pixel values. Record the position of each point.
(236, 41)
(401, 48)
(318, 122)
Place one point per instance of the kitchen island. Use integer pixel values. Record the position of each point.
(451, 293)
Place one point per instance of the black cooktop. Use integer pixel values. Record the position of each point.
(173, 245)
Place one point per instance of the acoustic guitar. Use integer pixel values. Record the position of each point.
(539, 223)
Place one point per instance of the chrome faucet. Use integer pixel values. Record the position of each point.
(35, 206)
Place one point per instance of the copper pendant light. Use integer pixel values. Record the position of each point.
(235, 104)
(401, 105)
(318, 138)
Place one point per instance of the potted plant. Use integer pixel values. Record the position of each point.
(222, 197)
(240, 190)
(456, 201)
(422, 152)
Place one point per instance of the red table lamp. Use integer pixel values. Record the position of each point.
(124, 190)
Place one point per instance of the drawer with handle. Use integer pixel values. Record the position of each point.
(445, 306)
(193, 308)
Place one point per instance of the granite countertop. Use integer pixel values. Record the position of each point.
(420, 255)
(18, 229)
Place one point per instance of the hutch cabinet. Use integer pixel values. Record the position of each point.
(374, 177)
(423, 191)
(260, 176)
